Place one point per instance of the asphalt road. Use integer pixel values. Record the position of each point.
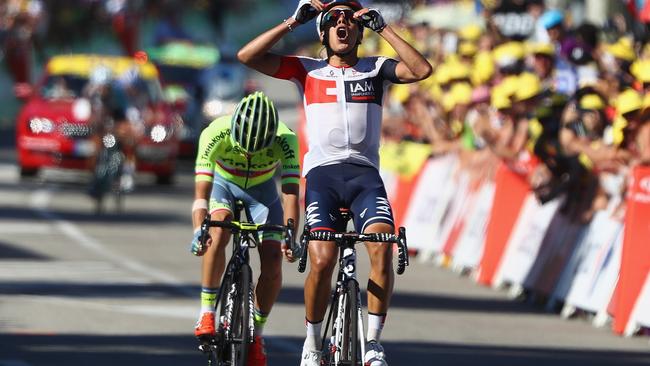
(122, 288)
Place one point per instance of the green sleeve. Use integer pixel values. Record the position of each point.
(287, 142)
(209, 142)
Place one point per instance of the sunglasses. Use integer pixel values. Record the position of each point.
(333, 16)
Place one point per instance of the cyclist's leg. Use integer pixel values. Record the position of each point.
(373, 214)
(322, 203)
(213, 261)
(222, 203)
(263, 205)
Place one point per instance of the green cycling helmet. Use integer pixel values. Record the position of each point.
(254, 123)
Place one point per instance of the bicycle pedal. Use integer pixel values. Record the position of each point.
(206, 341)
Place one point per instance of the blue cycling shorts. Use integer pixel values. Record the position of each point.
(261, 203)
(355, 187)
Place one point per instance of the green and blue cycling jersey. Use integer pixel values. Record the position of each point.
(219, 154)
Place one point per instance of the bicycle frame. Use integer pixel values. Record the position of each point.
(236, 280)
(347, 274)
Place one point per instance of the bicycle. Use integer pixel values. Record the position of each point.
(234, 334)
(346, 335)
(107, 172)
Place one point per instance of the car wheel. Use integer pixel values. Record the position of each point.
(28, 172)
(165, 179)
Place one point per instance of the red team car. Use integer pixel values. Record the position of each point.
(54, 129)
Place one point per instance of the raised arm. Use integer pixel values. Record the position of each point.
(256, 53)
(412, 66)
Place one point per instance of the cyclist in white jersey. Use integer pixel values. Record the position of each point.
(343, 97)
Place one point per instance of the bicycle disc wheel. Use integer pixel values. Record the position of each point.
(350, 343)
(241, 319)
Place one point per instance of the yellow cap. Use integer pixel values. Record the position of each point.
(628, 101)
(592, 102)
(461, 93)
(483, 68)
(448, 101)
(641, 70)
(467, 49)
(401, 92)
(540, 48)
(622, 49)
(618, 126)
(646, 102)
(458, 71)
(470, 32)
(442, 74)
(508, 85)
(529, 86)
(500, 100)
(508, 53)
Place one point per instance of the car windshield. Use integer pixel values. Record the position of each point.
(72, 86)
(63, 86)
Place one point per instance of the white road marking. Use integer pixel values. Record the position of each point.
(73, 271)
(174, 311)
(24, 228)
(40, 200)
(8, 173)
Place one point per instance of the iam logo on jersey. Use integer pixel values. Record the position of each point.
(364, 91)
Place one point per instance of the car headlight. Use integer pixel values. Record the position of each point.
(41, 125)
(158, 133)
(215, 108)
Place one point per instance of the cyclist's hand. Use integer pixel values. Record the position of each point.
(305, 12)
(372, 19)
(196, 247)
(288, 253)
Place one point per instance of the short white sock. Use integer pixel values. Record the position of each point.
(313, 341)
(375, 326)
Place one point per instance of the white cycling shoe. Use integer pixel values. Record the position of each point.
(310, 358)
(374, 355)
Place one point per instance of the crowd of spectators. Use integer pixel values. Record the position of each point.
(31, 28)
(566, 105)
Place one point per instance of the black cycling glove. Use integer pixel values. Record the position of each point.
(305, 12)
(373, 20)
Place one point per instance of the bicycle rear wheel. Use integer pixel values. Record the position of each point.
(350, 342)
(241, 326)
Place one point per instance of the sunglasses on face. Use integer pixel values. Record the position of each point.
(332, 16)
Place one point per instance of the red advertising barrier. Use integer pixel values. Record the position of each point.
(404, 190)
(635, 263)
(511, 191)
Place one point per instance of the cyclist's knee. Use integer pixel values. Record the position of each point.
(322, 263)
(270, 255)
(221, 215)
(381, 256)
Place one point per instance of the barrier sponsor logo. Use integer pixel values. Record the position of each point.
(642, 193)
(645, 184)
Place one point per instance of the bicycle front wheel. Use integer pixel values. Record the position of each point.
(242, 329)
(350, 342)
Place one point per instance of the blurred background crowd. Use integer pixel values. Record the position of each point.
(561, 83)
(558, 90)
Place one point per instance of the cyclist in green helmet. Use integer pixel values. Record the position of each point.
(237, 158)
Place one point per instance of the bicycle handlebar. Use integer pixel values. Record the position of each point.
(351, 237)
(246, 228)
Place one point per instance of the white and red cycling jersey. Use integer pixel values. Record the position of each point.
(343, 106)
